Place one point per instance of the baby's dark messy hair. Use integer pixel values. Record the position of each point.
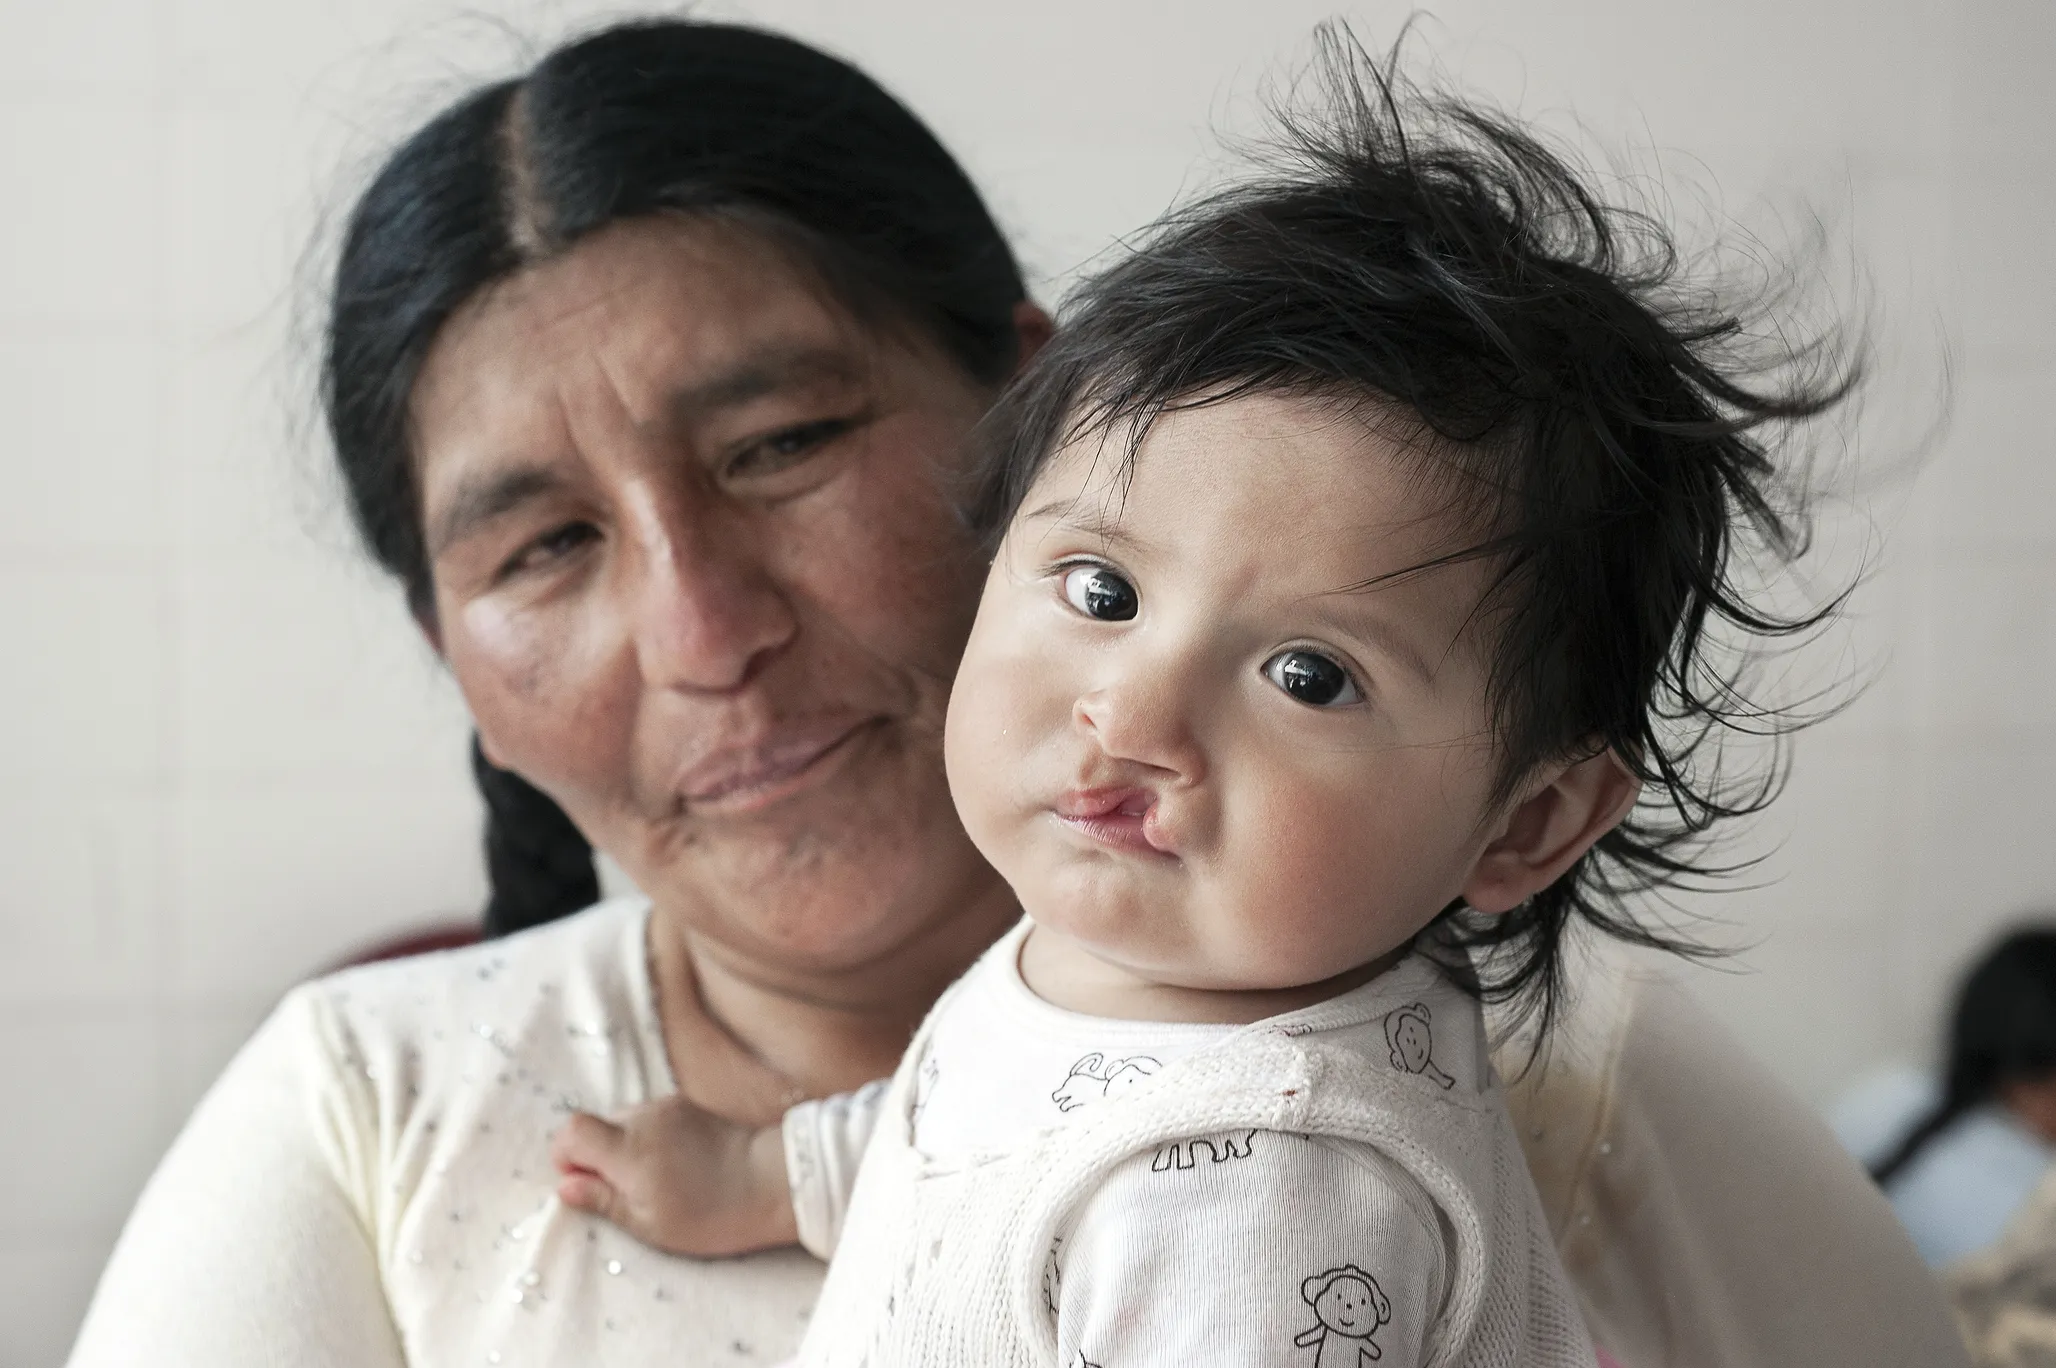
(1619, 433)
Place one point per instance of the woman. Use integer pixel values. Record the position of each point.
(1960, 1156)
(649, 374)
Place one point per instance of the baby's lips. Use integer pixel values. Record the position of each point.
(1122, 801)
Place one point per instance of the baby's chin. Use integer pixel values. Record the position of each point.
(1167, 947)
(1146, 944)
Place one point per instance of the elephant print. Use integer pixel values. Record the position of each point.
(1093, 1078)
(1349, 1306)
(1406, 1031)
(1184, 1154)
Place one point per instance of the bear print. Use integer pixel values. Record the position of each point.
(1349, 1306)
(1406, 1031)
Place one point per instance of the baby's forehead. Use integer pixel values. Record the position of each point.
(1326, 496)
(1378, 457)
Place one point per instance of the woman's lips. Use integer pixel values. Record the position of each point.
(747, 778)
(1119, 818)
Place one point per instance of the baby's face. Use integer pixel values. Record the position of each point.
(1189, 739)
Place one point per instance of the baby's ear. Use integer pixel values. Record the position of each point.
(1546, 831)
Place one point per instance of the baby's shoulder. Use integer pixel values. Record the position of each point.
(1409, 1031)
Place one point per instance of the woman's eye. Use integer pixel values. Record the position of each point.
(786, 447)
(1312, 679)
(1099, 593)
(560, 541)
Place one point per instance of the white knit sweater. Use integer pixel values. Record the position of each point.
(368, 1185)
(1334, 1186)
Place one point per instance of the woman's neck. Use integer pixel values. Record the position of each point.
(748, 1038)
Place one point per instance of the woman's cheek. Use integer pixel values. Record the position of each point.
(885, 555)
(535, 678)
(502, 645)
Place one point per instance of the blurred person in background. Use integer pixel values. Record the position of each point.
(649, 372)
(1959, 1156)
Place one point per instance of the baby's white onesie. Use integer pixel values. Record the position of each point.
(1337, 1186)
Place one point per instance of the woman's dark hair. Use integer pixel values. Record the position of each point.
(1605, 427)
(538, 866)
(650, 117)
(2002, 1031)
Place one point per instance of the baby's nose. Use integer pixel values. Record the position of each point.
(1147, 720)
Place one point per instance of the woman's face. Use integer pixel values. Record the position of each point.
(698, 576)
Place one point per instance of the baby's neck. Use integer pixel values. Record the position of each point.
(1065, 973)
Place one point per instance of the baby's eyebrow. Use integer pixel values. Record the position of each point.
(1380, 632)
(1074, 512)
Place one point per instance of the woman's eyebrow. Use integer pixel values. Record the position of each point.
(478, 500)
(767, 371)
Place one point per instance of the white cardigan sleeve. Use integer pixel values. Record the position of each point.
(249, 1247)
(1707, 1217)
(824, 1142)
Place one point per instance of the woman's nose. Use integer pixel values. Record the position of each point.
(707, 616)
(1144, 714)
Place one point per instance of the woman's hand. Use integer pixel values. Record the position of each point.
(679, 1178)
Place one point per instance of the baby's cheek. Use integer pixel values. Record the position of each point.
(1315, 884)
(989, 731)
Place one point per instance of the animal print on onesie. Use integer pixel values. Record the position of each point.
(1341, 1184)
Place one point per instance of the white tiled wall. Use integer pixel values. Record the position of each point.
(227, 760)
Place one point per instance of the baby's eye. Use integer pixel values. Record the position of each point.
(1312, 679)
(1098, 592)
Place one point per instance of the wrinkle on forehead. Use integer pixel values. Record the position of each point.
(621, 264)
(501, 371)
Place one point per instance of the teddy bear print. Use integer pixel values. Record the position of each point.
(1184, 1154)
(1349, 1306)
(1053, 1277)
(1406, 1031)
(1093, 1078)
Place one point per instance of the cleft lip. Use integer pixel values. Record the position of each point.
(1087, 804)
(1124, 817)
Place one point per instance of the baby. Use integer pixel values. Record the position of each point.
(1356, 542)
